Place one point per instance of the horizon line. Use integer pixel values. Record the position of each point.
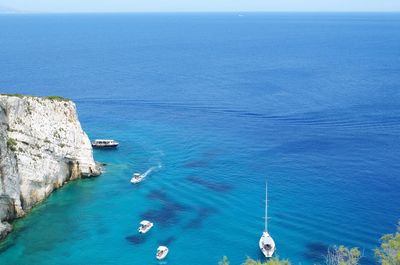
(16, 12)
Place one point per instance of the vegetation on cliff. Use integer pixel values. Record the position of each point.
(389, 251)
(12, 144)
(55, 98)
(343, 256)
(249, 261)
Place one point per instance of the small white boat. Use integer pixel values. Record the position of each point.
(145, 226)
(162, 252)
(266, 243)
(104, 143)
(136, 178)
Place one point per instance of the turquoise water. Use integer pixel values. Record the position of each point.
(222, 102)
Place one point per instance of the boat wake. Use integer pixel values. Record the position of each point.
(137, 177)
(150, 170)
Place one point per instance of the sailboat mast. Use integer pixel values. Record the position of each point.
(266, 207)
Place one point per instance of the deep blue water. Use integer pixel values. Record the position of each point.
(308, 101)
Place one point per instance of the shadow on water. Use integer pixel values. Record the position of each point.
(211, 185)
(202, 214)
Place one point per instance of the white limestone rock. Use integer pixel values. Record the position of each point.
(42, 145)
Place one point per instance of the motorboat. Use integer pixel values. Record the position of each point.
(145, 226)
(162, 252)
(267, 243)
(137, 178)
(104, 143)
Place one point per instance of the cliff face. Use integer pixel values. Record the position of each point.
(42, 145)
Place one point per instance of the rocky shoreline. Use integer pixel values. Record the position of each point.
(42, 146)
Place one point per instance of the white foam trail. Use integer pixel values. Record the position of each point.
(145, 174)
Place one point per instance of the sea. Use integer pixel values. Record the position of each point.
(220, 104)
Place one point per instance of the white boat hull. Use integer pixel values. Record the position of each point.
(267, 245)
(143, 230)
(136, 180)
(163, 255)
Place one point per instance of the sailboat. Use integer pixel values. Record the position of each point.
(267, 243)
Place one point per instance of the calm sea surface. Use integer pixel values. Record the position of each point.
(222, 102)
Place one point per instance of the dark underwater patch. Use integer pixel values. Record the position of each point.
(66, 254)
(202, 214)
(6, 245)
(158, 195)
(136, 239)
(196, 163)
(211, 185)
(161, 216)
(210, 154)
(204, 160)
(168, 214)
(316, 251)
(102, 230)
(167, 241)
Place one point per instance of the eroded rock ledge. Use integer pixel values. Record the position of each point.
(42, 146)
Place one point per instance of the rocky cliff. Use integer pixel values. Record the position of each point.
(42, 145)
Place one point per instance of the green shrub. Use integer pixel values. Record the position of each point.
(249, 261)
(14, 95)
(57, 98)
(12, 144)
(271, 261)
(343, 256)
(389, 251)
(224, 261)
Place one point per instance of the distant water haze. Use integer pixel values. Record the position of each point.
(5, 9)
(66, 6)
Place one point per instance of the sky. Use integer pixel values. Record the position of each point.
(199, 5)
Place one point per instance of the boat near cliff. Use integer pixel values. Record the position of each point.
(105, 143)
